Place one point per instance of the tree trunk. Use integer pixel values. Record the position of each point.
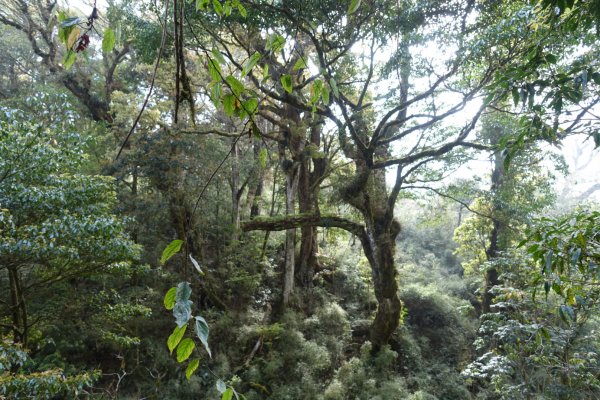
(291, 186)
(308, 201)
(235, 192)
(491, 275)
(18, 308)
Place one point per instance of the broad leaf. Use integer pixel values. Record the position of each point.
(242, 10)
(275, 43)
(218, 7)
(221, 387)
(69, 59)
(202, 332)
(200, 4)
(185, 349)
(300, 64)
(192, 367)
(184, 291)
(169, 300)
(250, 63)
(218, 56)
(235, 85)
(229, 104)
(108, 41)
(228, 394)
(176, 337)
(169, 251)
(250, 105)
(214, 69)
(182, 312)
(354, 4)
(286, 82)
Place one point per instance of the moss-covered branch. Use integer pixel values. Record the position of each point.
(300, 220)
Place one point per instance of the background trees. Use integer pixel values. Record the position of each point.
(353, 180)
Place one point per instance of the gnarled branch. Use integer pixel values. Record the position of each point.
(298, 221)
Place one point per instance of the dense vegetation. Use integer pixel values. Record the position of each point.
(300, 200)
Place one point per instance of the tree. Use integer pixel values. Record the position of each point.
(401, 128)
(36, 21)
(56, 223)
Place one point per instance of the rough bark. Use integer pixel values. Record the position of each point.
(236, 191)
(18, 308)
(491, 275)
(308, 202)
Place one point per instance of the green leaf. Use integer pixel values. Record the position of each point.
(516, 95)
(354, 4)
(227, 8)
(300, 64)
(218, 56)
(184, 291)
(242, 10)
(229, 104)
(69, 59)
(228, 394)
(192, 367)
(325, 94)
(108, 41)
(221, 387)
(169, 300)
(275, 43)
(250, 63)
(72, 21)
(200, 4)
(262, 158)
(215, 93)
(202, 332)
(218, 7)
(175, 337)
(250, 105)
(185, 349)
(235, 85)
(182, 312)
(265, 72)
(315, 91)
(214, 69)
(169, 251)
(286, 82)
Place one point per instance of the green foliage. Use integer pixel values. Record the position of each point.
(18, 383)
(566, 252)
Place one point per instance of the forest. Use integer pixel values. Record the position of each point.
(300, 199)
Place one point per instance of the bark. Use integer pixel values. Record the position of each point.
(498, 228)
(308, 196)
(368, 194)
(256, 187)
(291, 187)
(18, 308)
(298, 221)
(236, 192)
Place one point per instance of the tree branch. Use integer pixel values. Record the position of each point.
(298, 221)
